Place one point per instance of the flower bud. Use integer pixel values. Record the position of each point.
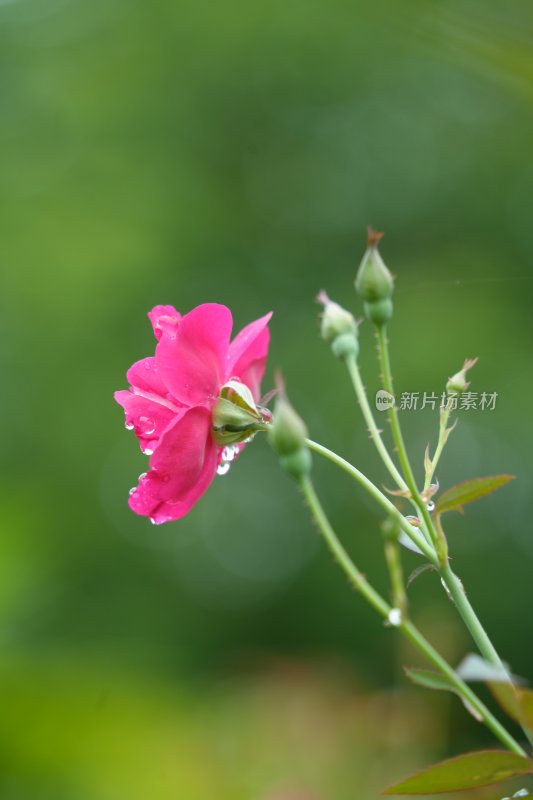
(236, 416)
(379, 312)
(338, 327)
(458, 383)
(287, 435)
(373, 281)
(288, 431)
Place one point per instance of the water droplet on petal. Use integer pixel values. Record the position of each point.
(142, 475)
(223, 468)
(148, 452)
(129, 426)
(146, 426)
(153, 520)
(430, 506)
(229, 453)
(132, 491)
(147, 365)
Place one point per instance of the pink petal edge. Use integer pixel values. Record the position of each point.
(181, 469)
(192, 363)
(164, 319)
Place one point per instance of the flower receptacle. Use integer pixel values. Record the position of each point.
(236, 416)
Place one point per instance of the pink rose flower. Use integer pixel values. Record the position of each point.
(174, 404)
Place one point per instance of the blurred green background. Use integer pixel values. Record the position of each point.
(183, 152)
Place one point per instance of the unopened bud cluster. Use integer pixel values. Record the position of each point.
(374, 283)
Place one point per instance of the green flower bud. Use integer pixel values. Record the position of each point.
(288, 432)
(338, 327)
(379, 312)
(373, 281)
(287, 435)
(336, 320)
(458, 383)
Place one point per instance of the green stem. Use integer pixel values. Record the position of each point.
(355, 376)
(414, 635)
(477, 631)
(451, 582)
(377, 495)
(394, 565)
(443, 437)
(438, 541)
(407, 628)
(388, 385)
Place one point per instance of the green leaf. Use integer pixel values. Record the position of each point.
(467, 771)
(429, 679)
(434, 680)
(456, 497)
(516, 702)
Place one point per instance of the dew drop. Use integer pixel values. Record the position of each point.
(129, 426)
(430, 506)
(223, 468)
(395, 617)
(229, 453)
(142, 475)
(153, 520)
(148, 452)
(521, 793)
(146, 426)
(132, 491)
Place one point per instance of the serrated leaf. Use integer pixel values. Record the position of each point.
(468, 771)
(457, 496)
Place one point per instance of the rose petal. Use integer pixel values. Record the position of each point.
(145, 375)
(193, 363)
(181, 468)
(147, 417)
(165, 320)
(248, 352)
